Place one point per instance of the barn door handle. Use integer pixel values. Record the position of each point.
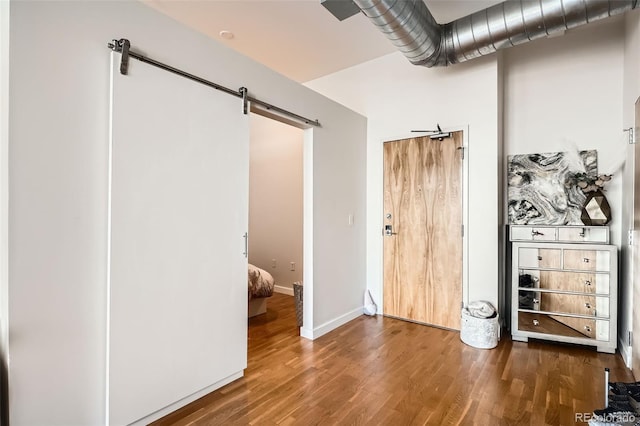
(246, 244)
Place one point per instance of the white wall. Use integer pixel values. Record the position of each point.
(59, 82)
(275, 199)
(566, 93)
(631, 92)
(631, 78)
(398, 97)
(4, 198)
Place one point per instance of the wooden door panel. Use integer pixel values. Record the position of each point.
(423, 204)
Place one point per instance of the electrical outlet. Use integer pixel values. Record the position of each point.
(293, 266)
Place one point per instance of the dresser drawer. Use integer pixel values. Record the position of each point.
(530, 257)
(562, 303)
(586, 260)
(579, 282)
(581, 325)
(584, 235)
(532, 233)
(563, 326)
(575, 304)
(561, 234)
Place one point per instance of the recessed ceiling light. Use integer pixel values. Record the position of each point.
(227, 35)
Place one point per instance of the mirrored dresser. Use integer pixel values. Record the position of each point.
(564, 285)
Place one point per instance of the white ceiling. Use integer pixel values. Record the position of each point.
(297, 38)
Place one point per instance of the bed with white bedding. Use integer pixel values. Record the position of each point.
(261, 284)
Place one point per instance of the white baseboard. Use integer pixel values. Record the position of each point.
(625, 351)
(331, 325)
(283, 290)
(189, 399)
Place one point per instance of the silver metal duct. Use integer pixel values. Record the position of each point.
(413, 30)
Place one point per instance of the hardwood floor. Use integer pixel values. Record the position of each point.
(377, 370)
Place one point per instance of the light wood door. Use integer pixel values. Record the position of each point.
(635, 348)
(423, 230)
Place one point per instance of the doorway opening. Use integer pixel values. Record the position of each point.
(276, 211)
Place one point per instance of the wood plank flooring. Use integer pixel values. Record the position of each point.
(384, 371)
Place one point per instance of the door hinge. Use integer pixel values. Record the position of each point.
(630, 338)
(462, 230)
(632, 135)
(461, 148)
(630, 237)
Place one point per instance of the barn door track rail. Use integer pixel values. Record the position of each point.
(123, 46)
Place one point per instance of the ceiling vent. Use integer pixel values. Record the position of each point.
(409, 25)
(341, 9)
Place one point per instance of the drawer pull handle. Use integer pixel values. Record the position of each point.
(535, 233)
(582, 232)
(536, 322)
(587, 282)
(585, 260)
(539, 257)
(587, 328)
(536, 301)
(587, 305)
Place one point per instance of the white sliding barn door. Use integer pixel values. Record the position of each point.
(178, 275)
(635, 250)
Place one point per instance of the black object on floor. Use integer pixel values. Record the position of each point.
(623, 407)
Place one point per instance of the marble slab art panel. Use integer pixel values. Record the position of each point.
(537, 191)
